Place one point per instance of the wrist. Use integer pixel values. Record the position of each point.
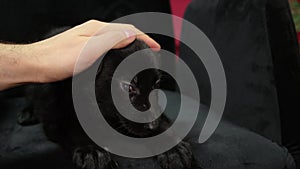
(35, 53)
(15, 65)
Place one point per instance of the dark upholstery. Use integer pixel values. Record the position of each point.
(257, 44)
(286, 59)
(237, 29)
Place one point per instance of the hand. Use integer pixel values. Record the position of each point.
(56, 57)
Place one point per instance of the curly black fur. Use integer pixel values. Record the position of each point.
(53, 105)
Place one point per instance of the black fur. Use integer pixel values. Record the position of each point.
(53, 106)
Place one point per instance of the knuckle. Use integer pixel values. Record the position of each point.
(131, 26)
(93, 22)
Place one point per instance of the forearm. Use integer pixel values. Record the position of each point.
(54, 59)
(17, 66)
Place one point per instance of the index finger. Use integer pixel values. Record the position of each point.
(149, 41)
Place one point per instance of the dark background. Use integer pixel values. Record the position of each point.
(28, 21)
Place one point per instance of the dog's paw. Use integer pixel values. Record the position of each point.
(180, 157)
(92, 157)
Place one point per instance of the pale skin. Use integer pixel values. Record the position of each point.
(54, 59)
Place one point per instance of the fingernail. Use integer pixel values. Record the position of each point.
(129, 33)
(156, 49)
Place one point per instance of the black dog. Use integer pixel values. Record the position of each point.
(53, 106)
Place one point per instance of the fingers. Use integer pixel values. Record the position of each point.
(131, 32)
(98, 45)
(124, 43)
(95, 28)
(105, 36)
(149, 41)
(130, 36)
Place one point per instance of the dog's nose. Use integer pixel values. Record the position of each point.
(145, 107)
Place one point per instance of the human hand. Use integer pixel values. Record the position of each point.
(56, 57)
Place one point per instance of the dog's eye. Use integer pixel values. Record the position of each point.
(157, 84)
(127, 87)
(130, 88)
